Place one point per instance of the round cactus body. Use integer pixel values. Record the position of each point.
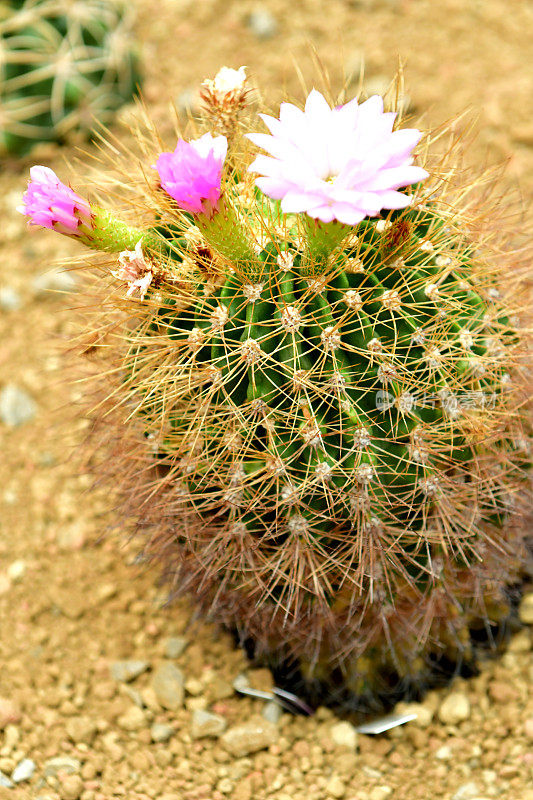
(320, 424)
(339, 445)
(64, 64)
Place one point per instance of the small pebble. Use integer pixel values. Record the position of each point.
(262, 24)
(250, 737)
(9, 712)
(5, 782)
(16, 406)
(205, 724)
(168, 685)
(336, 787)
(454, 708)
(23, 771)
(194, 686)
(61, 764)
(272, 712)
(525, 611)
(241, 682)
(132, 720)
(161, 732)
(344, 734)
(81, 729)
(17, 570)
(444, 753)
(424, 714)
(72, 536)
(175, 646)
(135, 696)
(380, 793)
(468, 791)
(71, 787)
(125, 671)
(521, 642)
(225, 786)
(11, 737)
(10, 299)
(502, 692)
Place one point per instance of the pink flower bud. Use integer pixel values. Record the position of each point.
(192, 173)
(50, 203)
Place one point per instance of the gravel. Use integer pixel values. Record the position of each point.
(204, 724)
(81, 729)
(23, 771)
(254, 735)
(525, 611)
(9, 712)
(344, 734)
(175, 646)
(262, 24)
(126, 671)
(132, 720)
(17, 406)
(161, 732)
(10, 299)
(454, 708)
(5, 782)
(168, 685)
(71, 787)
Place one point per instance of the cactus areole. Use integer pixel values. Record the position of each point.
(321, 392)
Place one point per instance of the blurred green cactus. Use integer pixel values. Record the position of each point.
(63, 65)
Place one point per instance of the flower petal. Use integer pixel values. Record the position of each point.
(344, 163)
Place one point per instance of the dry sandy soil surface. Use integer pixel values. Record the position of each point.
(103, 692)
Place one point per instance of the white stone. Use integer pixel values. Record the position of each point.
(455, 708)
(525, 611)
(344, 735)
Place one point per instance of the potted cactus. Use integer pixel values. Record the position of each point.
(66, 65)
(317, 385)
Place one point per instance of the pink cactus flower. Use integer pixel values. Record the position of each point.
(192, 173)
(51, 204)
(343, 163)
(135, 270)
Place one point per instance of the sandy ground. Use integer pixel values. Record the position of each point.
(74, 606)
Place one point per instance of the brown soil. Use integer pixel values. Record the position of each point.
(72, 604)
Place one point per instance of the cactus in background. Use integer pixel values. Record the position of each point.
(63, 64)
(320, 419)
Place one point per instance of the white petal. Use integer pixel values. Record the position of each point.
(395, 199)
(316, 105)
(43, 175)
(276, 189)
(323, 213)
(347, 214)
(290, 114)
(295, 201)
(273, 124)
(265, 165)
